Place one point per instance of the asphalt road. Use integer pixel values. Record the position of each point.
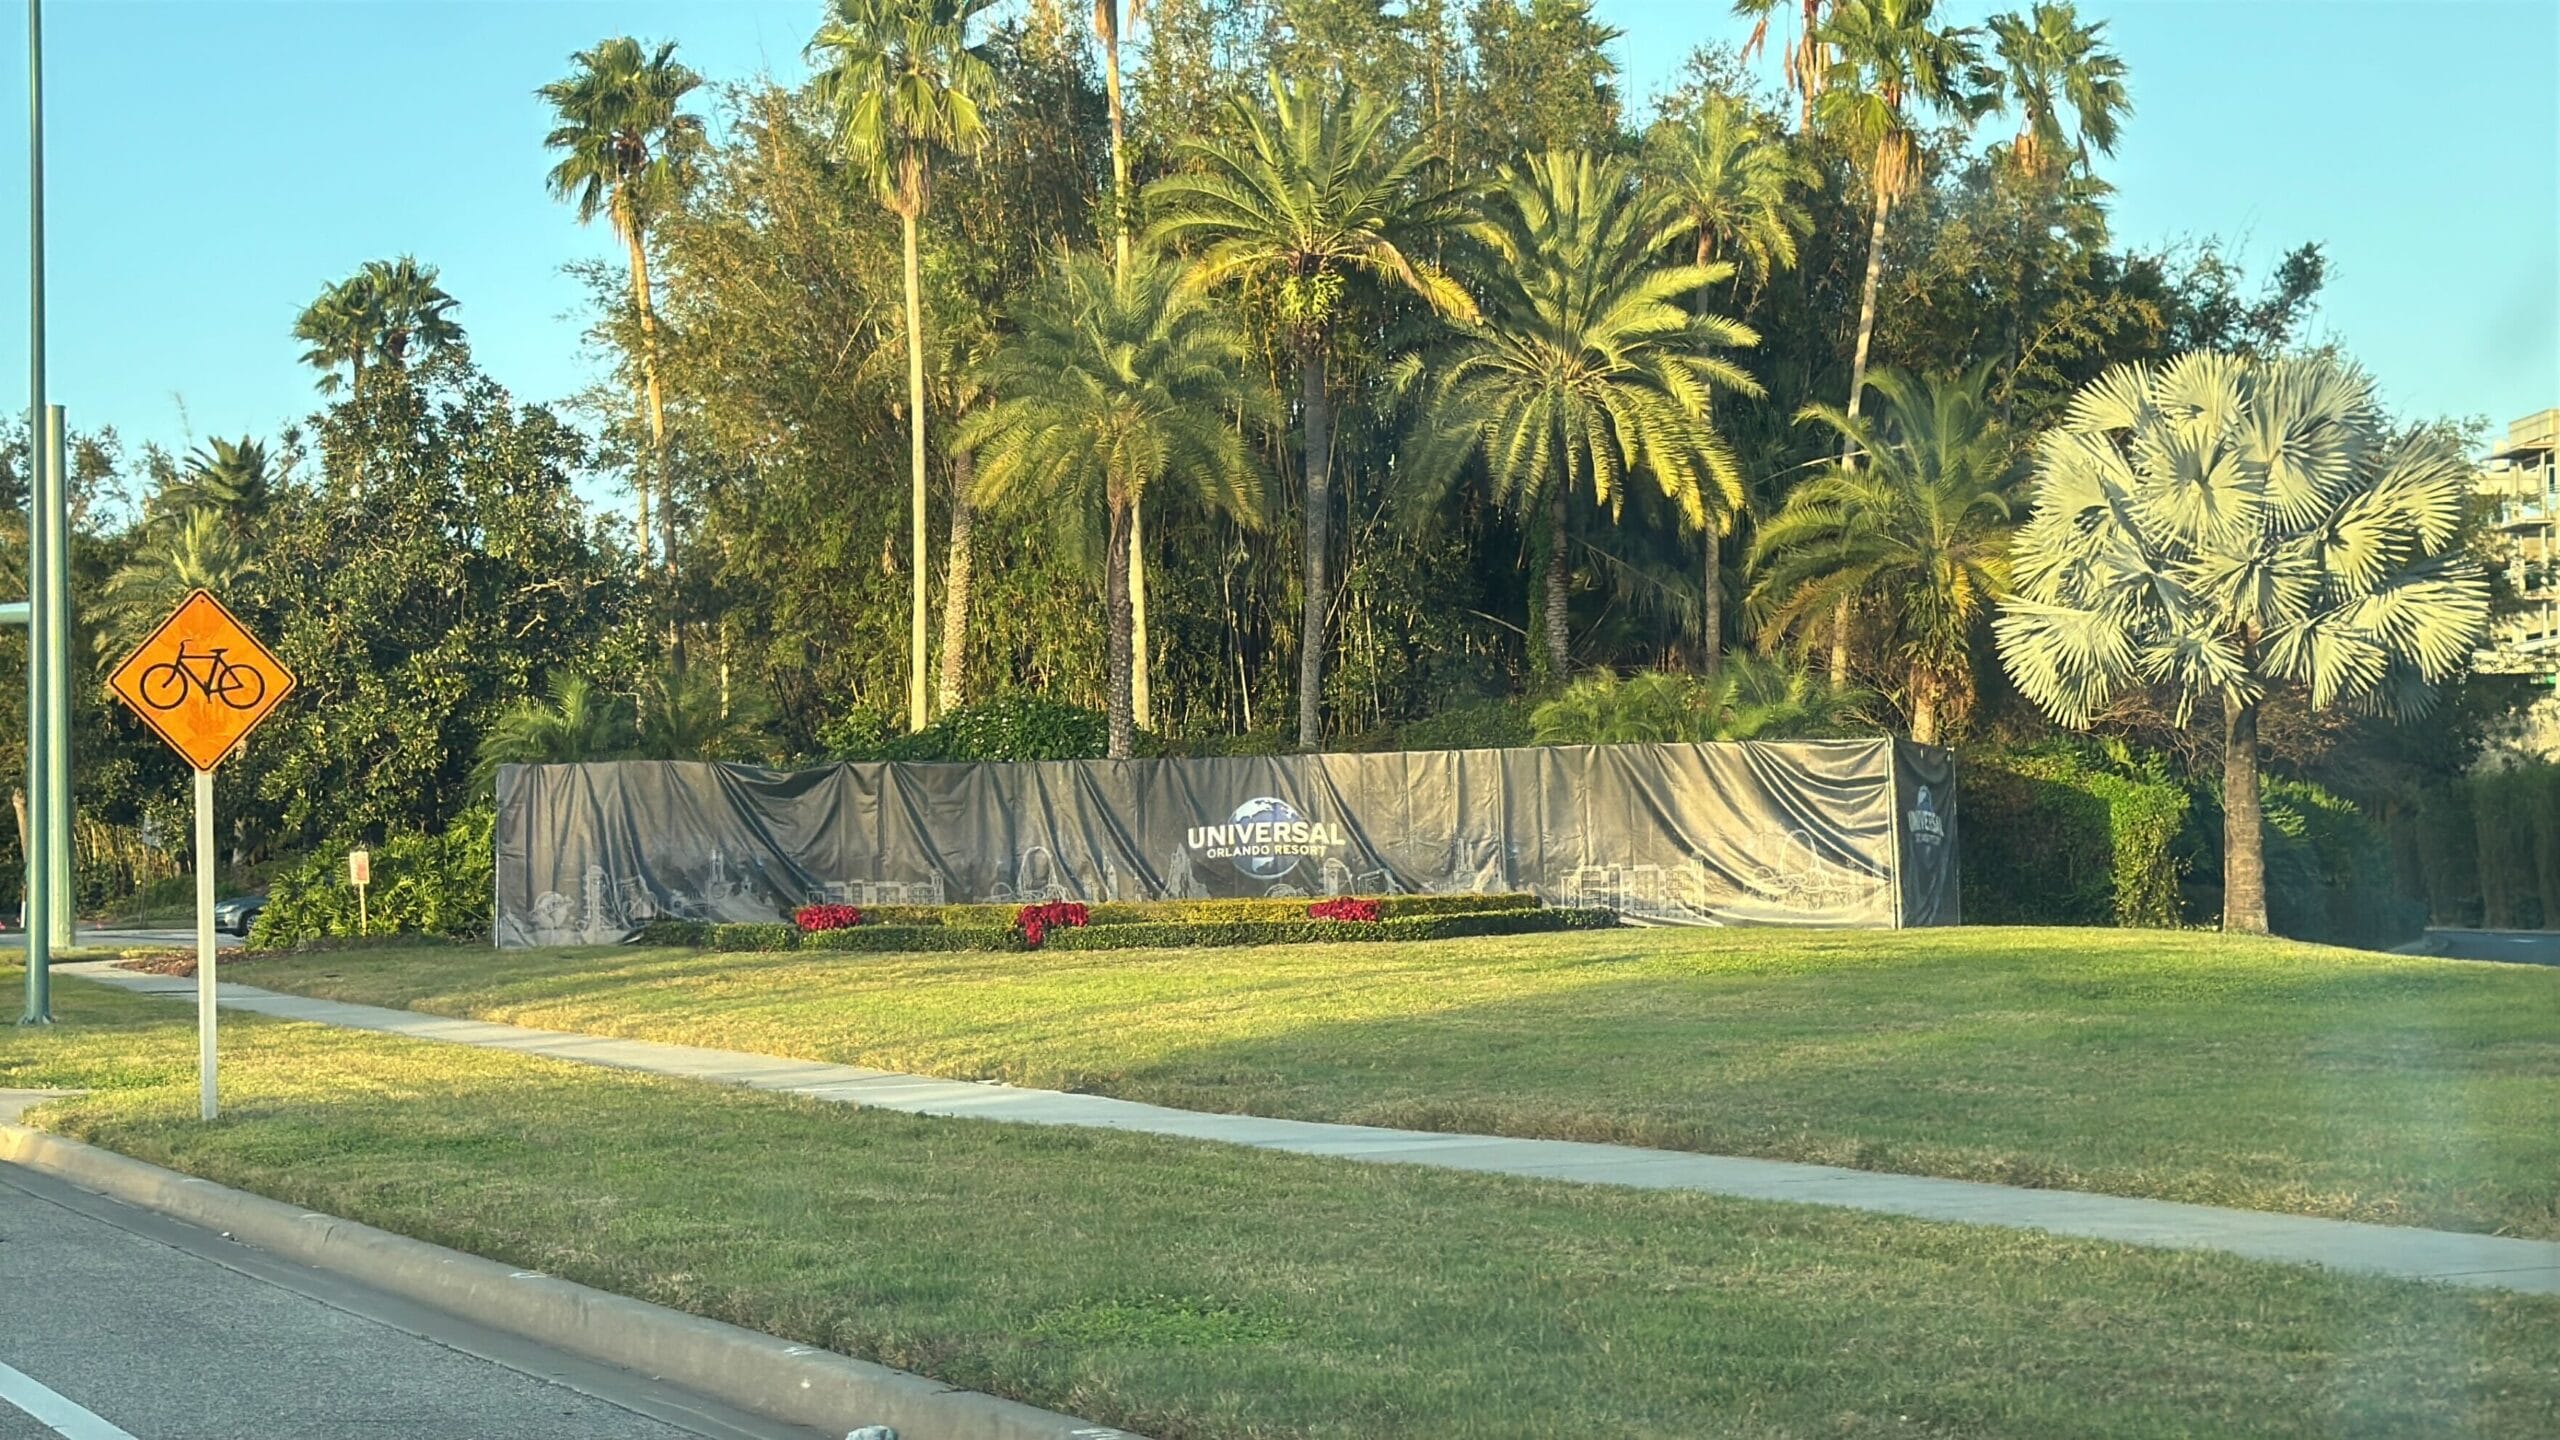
(119, 1324)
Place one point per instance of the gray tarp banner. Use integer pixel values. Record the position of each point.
(1837, 832)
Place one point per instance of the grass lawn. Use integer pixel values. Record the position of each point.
(2256, 1073)
(1199, 1292)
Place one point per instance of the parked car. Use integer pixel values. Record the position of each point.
(235, 915)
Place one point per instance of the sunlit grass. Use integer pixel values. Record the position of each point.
(1200, 1292)
(2258, 1073)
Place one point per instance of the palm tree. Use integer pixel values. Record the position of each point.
(337, 329)
(1754, 698)
(1735, 184)
(577, 723)
(409, 310)
(2049, 60)
(203, 551)
(1585, 370)
(229, 477)
(2214, 527)
(1108, 24)
(1890, 58)
(379, 314)
(1118, 381)
(1808, 60)
(1311, 195)
(1921, 528)
(906, 87)
(693, 714)
(628, 151)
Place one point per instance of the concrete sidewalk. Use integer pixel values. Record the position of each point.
(2483, 1261)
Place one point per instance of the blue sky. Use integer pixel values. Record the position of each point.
(213, 161)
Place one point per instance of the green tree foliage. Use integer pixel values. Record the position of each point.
(1585, 373)
(1914, 539)
(573, 722)
(2216, 527)
(388, 314)
(1312, 195)
(1752, 698)
(1117, 380)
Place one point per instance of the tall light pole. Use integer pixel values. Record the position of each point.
(41, 563)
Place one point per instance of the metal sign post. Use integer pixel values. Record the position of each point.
(202, 681)
(360, 874)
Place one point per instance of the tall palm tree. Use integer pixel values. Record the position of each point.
(1735, 184)
(2215, 527)
(1119, 380)
(410, 311)
(1109, 24)
(906, 87)
(1920, 527)
(2049, 61)
(629, 151)
(1892, 65)
(1311, 195)
(1585, 370)
(1808, 59)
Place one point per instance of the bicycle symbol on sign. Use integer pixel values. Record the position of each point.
(165, 686)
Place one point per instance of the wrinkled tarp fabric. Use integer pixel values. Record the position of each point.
(1837, 833)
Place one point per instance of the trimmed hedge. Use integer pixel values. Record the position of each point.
(2488, 848)
(1123, 935)
(2055, 835)
(1174, 912)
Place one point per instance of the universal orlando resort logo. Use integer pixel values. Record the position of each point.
(1926, 825)
(1266, 837)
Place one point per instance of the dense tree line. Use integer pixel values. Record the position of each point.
(1261, 374)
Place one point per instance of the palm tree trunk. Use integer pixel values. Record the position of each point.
(1319, 467)
(656, 398)
(957, 567)
(1924, 707)
(1867, 303)
(1138, 688)
(1840, 642)
(916, 717)
(1714, 598)
(1141, 697)
(1117, 656)
(2244, 834)
(1555, 624)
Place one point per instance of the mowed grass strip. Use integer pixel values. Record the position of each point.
(1200, 1292)
(2257, 1073)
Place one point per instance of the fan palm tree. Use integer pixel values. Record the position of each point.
(1891, 64)
(1920, 528)
(1735, 184)
(202, 551)
(1311, 195)
(577, 723)
(1585, 370)
(2214, 527)
(628, 152)
(1119, 380)
(2049, 60)
(409, 310)
(906, 87)
(338, 329)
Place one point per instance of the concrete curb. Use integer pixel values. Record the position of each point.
(796, 1384)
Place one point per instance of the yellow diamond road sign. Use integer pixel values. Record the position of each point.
(202, 680)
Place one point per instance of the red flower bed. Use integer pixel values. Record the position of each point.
(1346, 908)
(814, 918)
(1036, 921)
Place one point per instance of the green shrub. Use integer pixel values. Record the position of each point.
(1485, 725)
(1125, 912)
(2329, 871)
(2059, 835)
(682, 934)
(1010, 727)
(765, 935)
(874, 939)
(422, 885)
(1302, 931)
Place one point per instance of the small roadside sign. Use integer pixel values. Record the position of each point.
(360, 874)
(202, 682)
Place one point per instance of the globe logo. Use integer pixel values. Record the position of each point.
(1266, 810)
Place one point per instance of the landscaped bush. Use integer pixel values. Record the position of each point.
(1485, 725)
(1290, 926)
(814, 918)
(2329, 871)
(2067, 835)
(422, 885)
(2488, 848)
(1303, 931)
(1011, 727)
(685, 934)
(1123, 912)
(1036, 921)
(768, 935)
(1346, 909)
(890, 939)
